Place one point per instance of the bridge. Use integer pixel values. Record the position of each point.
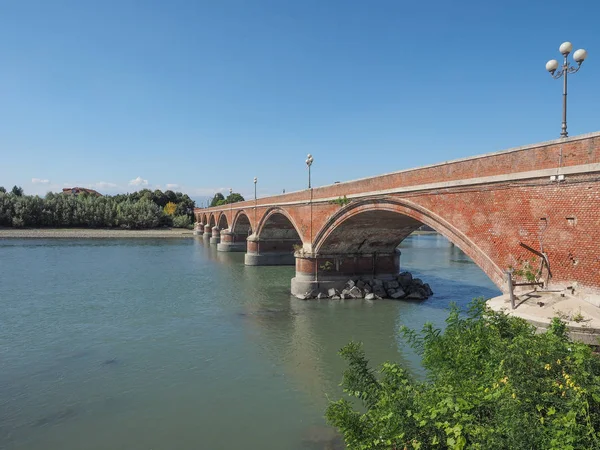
(535, 207)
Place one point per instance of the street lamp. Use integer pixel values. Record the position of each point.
(255, 181)
(551, 66)
(309, 161)
(230, 208)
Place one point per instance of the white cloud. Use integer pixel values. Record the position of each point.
(139, 181)
(40, 181)
(172, 186)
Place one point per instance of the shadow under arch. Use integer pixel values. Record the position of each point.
(381, 224)
(241, 224)
(223, 223)
(276, 223)
(274, 241)
(204, 218)
(211, 220)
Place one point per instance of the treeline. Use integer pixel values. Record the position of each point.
(142, 209)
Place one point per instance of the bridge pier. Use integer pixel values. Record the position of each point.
(207, 232)
(198, 229)
(215, 236)
(231, 242)
(270, 252)
(319, 273)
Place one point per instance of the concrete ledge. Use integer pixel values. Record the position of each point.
(231, 247)
(214, 240)
(206, 236)
(270, 259)
(540, 307)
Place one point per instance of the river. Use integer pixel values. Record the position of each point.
(171, 345)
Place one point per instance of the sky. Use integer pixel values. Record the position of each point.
(200, 96)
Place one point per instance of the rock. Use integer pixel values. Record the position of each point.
(344, 296)
(398, 294)
(355, 292)
(417, 281)
(428, 289)
(391, 284)
(417, 294)
(379, 291)
(360, 284)
(404, 278)
(345, 292)
(350, 284)
(320, 296)
(377, 282)
(390, 291)
(370, 296)
(368, 288)
(335, 297)
(332, 292)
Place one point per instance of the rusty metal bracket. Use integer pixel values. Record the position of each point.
(542, 255)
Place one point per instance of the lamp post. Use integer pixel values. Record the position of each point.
(309, 161)
(255, 181)
(230, 208)
(552, 66)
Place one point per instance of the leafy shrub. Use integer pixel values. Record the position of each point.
(493, 383)
(182, 222)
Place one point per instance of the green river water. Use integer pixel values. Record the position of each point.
(168, 344)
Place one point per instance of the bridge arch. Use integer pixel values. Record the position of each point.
(241, 224)
(277, 223)
(211, 220)
(223, 222)
(204, 218)
(381, 224)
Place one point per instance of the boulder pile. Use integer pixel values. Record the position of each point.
(403, 287)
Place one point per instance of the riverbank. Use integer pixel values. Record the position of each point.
(539, 307)
(92, 233)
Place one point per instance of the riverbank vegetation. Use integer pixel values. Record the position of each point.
(492, 383)
(138, 210)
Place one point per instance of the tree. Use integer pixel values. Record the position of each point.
(2, 189)
(170, 208)
(234, 197)
(492, 383)
(159, 198)
(17, 190)
(218, 197)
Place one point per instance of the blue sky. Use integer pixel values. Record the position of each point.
(201, 96)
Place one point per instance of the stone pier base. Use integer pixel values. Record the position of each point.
(318, 274)
(270, 259)
(231, 247)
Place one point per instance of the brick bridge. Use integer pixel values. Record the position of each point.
(544, 196)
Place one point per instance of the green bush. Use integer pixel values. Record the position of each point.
(181, 221)
(492, 383)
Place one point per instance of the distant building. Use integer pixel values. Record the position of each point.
(80, 190)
